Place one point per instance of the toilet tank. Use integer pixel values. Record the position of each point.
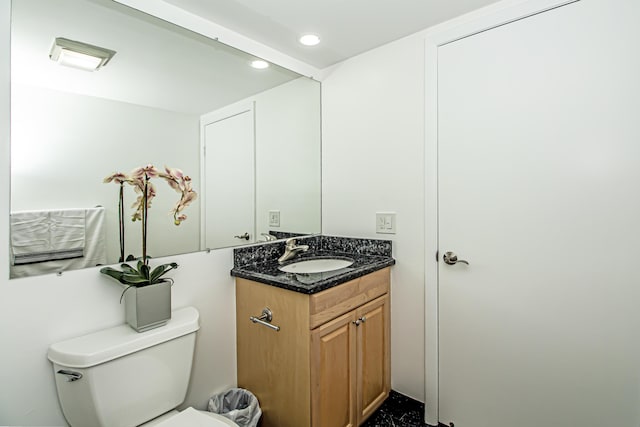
(118, 377)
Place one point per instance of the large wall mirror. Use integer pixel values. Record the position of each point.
(248, 138)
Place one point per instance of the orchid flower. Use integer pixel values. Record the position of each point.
(117, 177)
(182, 184)
(140, 180)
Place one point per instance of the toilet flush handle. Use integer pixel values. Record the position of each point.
(71, 375)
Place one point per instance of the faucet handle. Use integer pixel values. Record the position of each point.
(290, 242)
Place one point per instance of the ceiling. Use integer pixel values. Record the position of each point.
(346, 27)
(211, 74)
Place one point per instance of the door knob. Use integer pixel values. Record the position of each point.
(244, 236)
(452, 259)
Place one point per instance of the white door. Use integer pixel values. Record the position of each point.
(539, 190)
(229, 200)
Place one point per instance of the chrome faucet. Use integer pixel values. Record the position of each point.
(291, 249)
(268, 237)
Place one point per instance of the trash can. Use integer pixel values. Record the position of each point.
(238, 405)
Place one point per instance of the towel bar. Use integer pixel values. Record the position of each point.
(265, 319)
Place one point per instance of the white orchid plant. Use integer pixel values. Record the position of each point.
(140, 179)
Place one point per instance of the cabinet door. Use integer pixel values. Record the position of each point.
(373, 356)
(333, 373)
(274, 365)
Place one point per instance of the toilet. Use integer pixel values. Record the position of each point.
(118, 377)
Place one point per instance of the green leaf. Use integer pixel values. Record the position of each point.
(128, 269)
(135, 277)
(112, 272)
(142, 276)
(144, 271)
(161, 270)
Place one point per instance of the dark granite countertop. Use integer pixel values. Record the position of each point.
(259, 263)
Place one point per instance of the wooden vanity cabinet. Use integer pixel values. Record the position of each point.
(329, 365)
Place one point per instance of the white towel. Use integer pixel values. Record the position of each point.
(67, 228)
(94, 245)
(29, 232)
(47, 235)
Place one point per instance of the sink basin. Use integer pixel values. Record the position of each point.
(319, 265)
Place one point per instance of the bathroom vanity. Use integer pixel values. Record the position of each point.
(328, 364)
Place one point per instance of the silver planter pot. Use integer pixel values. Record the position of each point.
(148, 307)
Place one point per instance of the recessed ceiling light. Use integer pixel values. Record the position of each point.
(259, 64)
(309, 40)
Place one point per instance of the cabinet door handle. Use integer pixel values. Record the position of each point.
(359, 321)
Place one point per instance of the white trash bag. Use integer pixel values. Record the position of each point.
(238, 405)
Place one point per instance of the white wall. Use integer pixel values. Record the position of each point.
(35, 312)
(288, 156)
(372, 161)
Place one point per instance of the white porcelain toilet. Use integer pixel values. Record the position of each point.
(118, 377)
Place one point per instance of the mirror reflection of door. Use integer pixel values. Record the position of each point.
(228, 177)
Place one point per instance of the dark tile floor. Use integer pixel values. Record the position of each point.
(398, 411)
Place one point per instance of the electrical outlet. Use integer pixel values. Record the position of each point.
(274, 218)
(385, 222)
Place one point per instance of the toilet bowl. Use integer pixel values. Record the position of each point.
(118, 377)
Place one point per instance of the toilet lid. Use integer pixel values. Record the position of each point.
(193, 418)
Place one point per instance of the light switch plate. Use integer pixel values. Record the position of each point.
(274, 218)
(386, 222)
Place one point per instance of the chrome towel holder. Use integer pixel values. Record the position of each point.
(265, 319)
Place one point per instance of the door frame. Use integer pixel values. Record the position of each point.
(484, 19)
